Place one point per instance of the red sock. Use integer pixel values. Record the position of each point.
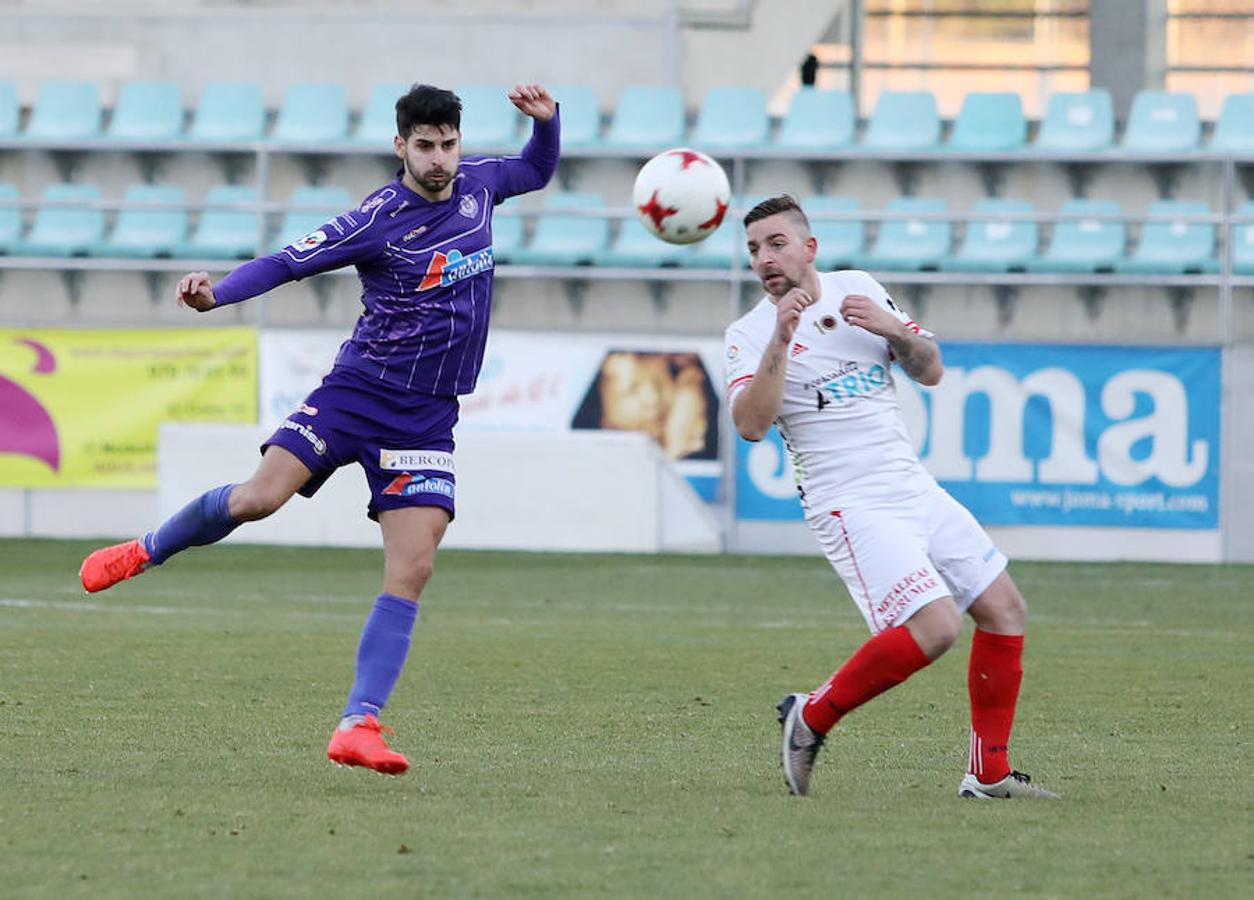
(993, 678)
(884, 661)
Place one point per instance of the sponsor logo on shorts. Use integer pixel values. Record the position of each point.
(916, 584)
(411, 485)
(319, 445)
(416, 460)
(992, 551)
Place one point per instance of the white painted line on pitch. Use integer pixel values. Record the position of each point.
(85, 606)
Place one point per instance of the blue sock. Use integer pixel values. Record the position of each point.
(381, 654)
(203, 521)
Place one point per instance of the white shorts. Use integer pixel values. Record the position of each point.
(896, 561)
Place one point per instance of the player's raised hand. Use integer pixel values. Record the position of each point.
(196, 291)
(534, 101)
(788, 309)
(864, 312)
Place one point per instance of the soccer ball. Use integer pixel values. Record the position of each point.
(681, 195)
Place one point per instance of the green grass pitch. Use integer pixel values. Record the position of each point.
(603, 726)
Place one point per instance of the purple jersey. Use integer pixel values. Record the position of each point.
(426, 270)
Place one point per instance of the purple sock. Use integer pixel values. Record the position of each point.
(381, 654)
(203, 521)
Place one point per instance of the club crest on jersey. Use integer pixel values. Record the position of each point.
(826, 323)
(444, 269)
(468, 206)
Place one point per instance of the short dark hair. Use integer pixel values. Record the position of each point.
(774, 206)
(427, 105)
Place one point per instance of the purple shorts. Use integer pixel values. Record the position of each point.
(403, 441)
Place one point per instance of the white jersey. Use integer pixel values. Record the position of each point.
(839, 417)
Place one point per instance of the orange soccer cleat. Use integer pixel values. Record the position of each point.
(362, 744)
(107, 566)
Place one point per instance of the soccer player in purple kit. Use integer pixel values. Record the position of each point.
(422, 245)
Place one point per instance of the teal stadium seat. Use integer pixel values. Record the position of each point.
(910, 245)
(229, 112)
(66, 230)
(1162, 122)
(147, 233)
(817, 120)
(489, 119)
(1234, 132)
(377, 125)
(993, 244)
(732, 118)
(326, 203)
(566, 240)
(225, 233)
(1242, 241)
(65, 111)
(147, 111)
(647, 118)
(727, 243)
(581, 116)
(635, 247)
(1077, 123)
(312, 114)
(903, 121)
(10, 219)
(1173, 247)
(8, 111)
(1082, 242)
(840, 240)
(989, 123)
(507, 231)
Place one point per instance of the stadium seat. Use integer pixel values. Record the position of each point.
(1234, 132)
(8, 111)
(910, 244)
(636, 247)
(229, 112)
(10, 219)
(989, 122)
(581, 116)
(65, 230)
(225, 233)
(489, 119)
(144, 233)
(1242, 241)
(1077, 123)
(377, 126)
(648, 118)
(817, 120)
(312, 114)
(732, 117)
(1172, 247)
(1083, 244)
(65, 111)
(728, 242)
(904, 120)
(1162, 122)
(507, 232)
(567, 240)
(328, 202)
(840, 240)
(147, 111)
(993, 244)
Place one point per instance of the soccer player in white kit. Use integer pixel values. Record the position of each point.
(813, 358)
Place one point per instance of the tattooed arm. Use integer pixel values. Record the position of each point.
(756, 407)
(918, 354)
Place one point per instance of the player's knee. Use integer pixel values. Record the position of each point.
(250, 502)
(1001, 608)
(412, 575)
(936, 627)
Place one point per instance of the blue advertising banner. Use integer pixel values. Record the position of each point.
(1042, 434)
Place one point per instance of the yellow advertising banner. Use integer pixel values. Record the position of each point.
(81, 408)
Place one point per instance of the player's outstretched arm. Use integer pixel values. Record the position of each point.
(533, 101)
(195, 291)
(757, 406)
